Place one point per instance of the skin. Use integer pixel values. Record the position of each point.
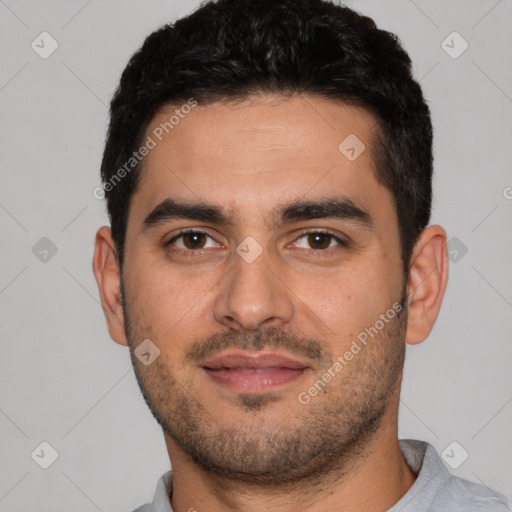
(250, 158)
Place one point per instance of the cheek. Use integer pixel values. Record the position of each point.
(354, 300)
(345, 311)
(165, 302)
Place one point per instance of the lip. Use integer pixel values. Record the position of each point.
(241, 371)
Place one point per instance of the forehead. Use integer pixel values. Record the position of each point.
(251, 155)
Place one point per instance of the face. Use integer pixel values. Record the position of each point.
(263, 262)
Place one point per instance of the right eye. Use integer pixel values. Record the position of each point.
(191, 241)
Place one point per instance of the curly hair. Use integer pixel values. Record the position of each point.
(228, 50)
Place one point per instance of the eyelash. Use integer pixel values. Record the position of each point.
(198, 252)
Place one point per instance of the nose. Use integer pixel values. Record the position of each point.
(253, 296)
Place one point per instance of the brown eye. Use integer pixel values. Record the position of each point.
(192, 240)
(319, 240)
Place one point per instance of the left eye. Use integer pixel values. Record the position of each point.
(319, 241)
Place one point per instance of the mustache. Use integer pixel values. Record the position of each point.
(271, 338)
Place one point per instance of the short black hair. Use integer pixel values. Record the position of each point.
(228, 50)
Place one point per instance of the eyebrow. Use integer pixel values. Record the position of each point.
(342, 208)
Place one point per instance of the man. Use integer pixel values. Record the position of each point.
(268, 173)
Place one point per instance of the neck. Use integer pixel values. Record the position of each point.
(373, 480)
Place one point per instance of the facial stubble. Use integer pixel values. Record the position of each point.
(312, 440)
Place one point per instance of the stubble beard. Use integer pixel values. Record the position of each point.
(328, 435)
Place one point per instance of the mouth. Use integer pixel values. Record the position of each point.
(243, 372)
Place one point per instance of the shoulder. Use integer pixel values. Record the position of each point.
(161, 499)
(437, 490)
(465, 495)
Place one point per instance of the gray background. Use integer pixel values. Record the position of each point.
(65, 382)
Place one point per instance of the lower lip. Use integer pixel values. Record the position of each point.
(254, 380)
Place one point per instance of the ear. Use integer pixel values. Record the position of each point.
(108, 277)
(428, 275)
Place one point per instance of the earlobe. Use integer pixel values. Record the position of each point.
(428, 276)
(108, 277)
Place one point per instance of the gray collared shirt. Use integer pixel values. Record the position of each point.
(435, 489)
